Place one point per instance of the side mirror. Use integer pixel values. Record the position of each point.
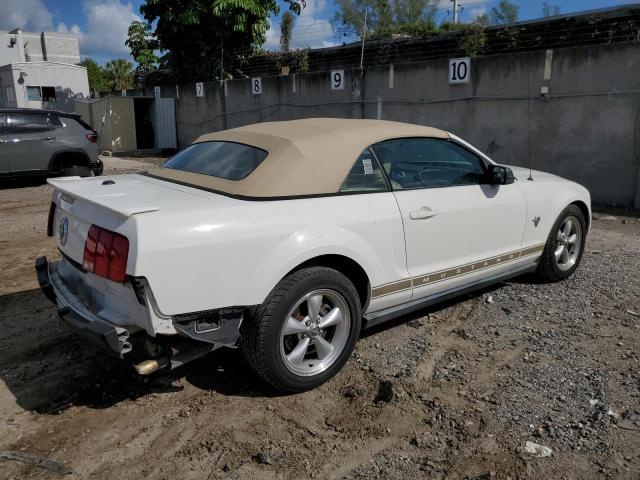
(499, 175)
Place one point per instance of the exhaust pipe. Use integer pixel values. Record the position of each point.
(147, 367)
(181, 353)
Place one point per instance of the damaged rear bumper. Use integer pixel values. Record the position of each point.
(115, 339)
(195, 334)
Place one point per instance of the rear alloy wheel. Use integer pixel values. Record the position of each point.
(315, 332)
(305, 331)
(564, 247)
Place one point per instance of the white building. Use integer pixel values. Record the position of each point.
(38, 70)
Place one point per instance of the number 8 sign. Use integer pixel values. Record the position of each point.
(337, 79)
(256, 86)
(459, 70)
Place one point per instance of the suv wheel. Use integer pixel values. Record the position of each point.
(76, 171)
(305, 331)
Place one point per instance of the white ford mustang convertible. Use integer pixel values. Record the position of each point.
(286, 239)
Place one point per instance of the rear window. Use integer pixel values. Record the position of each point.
(229, 160)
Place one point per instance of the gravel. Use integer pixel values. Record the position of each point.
(456, 391)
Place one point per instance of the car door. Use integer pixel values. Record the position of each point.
(31, 141)
(4, 155)
(381, 224)
(458, 228)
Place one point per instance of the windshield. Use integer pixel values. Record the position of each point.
(229, 160)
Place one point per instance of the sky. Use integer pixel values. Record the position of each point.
(101, 26)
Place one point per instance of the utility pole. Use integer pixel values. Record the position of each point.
(222, 60)
(364, 33)
(455, 11)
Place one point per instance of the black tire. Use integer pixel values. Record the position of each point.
(76, 171)
(260, 336)
(549, 269)
(97, 169)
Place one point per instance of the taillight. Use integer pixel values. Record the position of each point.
(105, 254)
(92, 137)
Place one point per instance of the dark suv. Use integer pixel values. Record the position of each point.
(47, 143)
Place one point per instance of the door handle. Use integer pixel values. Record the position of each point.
(49, 139)
(422, 214)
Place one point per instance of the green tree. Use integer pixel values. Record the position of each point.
(286, 30)
(195, 33)
(505, 12)
(119, 73)
(549, 10)
(97, 79)
(142, 46)
(385, 17)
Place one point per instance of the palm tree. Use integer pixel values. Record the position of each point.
(119, 74)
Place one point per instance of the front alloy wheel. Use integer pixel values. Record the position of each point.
(565, 245)
(305, 330)
(569, 243)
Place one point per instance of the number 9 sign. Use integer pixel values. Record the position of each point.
(337, 79)
(256, 86)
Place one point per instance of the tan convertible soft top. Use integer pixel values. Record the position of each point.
(306, 157)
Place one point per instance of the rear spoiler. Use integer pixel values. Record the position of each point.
(87, 189)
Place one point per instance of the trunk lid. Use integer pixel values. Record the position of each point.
(110, 202)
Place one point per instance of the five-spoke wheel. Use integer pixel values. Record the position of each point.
(569, 243)
(564, 247)
(315, 332)
(305, 330)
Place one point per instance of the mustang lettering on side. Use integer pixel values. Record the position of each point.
(286, 239)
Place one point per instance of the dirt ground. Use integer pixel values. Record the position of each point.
(452, 392)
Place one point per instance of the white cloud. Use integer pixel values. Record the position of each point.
(476, 12)
(29, 15)
(74, 29)
(310, 30)
(311, 34)
(106, 28)
(447, 5)
(103, 35)
(272, 41)
(329, 43)
(470, 8)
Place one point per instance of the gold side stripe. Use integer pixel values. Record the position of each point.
(391, 288)
(439, 276)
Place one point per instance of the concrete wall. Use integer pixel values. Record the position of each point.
(7, 88)
(33, 47)
(11, 48)
(60, 47)
(587, 129)
(38, 47)
(69, 81)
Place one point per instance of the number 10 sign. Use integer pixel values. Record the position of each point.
(459, 70)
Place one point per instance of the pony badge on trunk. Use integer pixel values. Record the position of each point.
(63, 230)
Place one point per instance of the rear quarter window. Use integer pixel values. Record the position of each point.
(228, 160)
